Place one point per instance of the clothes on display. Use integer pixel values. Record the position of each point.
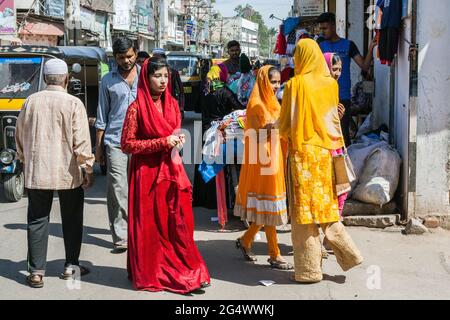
(290, 24)
(389, 29)
(222, 149)
(216, 104)
(281, 44)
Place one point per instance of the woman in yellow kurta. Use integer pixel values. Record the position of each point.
(261, 197)
(310, 123)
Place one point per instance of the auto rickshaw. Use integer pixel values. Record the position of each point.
(21, 70)
(193, 68)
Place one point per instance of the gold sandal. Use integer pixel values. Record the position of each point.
(248, 255)
(280, 265)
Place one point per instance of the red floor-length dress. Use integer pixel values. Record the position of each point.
(162, 254)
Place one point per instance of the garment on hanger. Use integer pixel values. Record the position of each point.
(389, 34)
(280, 47)
(291, 42)
(290, 24)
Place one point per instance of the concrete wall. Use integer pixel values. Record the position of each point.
(382, 94)
(23, 4)
(433, 110)
(355, 31)
(341, 18)
(163, 22)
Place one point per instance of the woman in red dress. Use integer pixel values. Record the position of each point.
(162, 255)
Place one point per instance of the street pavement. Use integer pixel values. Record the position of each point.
(396, 266)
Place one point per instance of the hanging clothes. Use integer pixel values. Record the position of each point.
(281, 44)
(290, 24)
(389, 33)
(302, 34)
(219, 102)
(291, 41)
(287, 74)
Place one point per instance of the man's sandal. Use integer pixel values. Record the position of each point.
(71, 274)
(35, 281)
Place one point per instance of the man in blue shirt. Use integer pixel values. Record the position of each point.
(118, 90)
(347, 50)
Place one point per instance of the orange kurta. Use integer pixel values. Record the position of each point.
(261, 196)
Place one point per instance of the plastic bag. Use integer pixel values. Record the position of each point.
(360, 152)
(366, 127)
(380, 177)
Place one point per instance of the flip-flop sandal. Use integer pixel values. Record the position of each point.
(280, 265)
(35, 284)
(66, 276)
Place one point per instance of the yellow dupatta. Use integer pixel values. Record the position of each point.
(263, 107)
(309, 112)
(214, 73)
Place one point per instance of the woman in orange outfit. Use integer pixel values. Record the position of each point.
(261, 197)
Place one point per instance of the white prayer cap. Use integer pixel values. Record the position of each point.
(56, 67)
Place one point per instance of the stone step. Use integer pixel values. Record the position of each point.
(356, 208)
(381, 221)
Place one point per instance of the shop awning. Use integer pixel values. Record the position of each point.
(175, 44)
(146, 36)
(99, 5)
(42, 28)
(10, 40)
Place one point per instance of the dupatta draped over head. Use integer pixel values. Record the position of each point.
(162, 254)
(153, 125)
(263, 106)
(309, 113)
(329, 59)
(261, 197)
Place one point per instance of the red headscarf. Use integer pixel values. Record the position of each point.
(153, 125)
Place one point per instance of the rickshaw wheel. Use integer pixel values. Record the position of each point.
(14, 187)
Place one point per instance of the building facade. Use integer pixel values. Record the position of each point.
(175, 25)
(239, 29)
(411, 96)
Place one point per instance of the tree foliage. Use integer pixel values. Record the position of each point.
(264, 33)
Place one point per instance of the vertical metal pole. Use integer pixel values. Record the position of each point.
(85, 84)
(69, 18)
(412, 127)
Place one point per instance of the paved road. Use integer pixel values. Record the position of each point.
(396, 266)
